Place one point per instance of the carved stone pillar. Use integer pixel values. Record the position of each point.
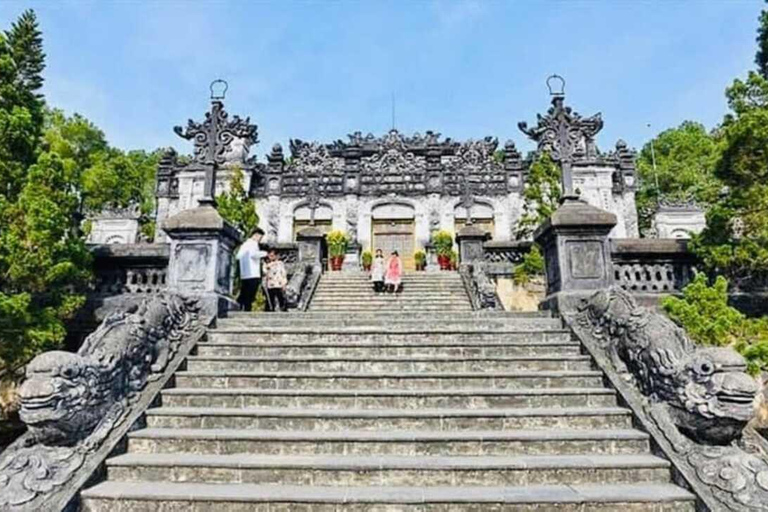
(470, 240)
(202, 244)
(310, 240)
(577, 252)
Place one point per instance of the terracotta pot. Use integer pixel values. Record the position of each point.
(444, 262)
(366, 266)
(336, 262)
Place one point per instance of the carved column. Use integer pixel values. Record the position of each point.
(470, 240)
(202, 245)
(577, 252)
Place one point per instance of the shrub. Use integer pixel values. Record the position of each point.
(337, 243)
(443, 243)
(367, 258)
(531, 266)
(454, 256)
(704, 313)
(420, 257)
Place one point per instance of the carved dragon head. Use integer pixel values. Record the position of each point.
(716, 395)
(56, 397)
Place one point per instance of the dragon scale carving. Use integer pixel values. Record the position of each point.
(699, 399)
(71, 402)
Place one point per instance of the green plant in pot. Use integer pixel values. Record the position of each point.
(453, 260)
(337, 248)
(367, 260)
(420, 258)
(442, 241)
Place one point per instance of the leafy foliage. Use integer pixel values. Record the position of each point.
(541, 195)
(704, 313)
(735, 241)
(337, 243)
(21, 105)
(52, 168)
(761, 58)
(367, 258)
(236, 207)
(685, 169)
(442, 241)
(531, 266)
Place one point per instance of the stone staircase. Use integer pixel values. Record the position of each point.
(422, 291)
(432, 410)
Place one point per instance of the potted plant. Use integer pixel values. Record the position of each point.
(337, 248)
(453, 260)
(420, 258)
(443, 244)
(367, 260)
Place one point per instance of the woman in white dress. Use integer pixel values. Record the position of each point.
(377, 271)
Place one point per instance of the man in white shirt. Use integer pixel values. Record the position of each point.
(249, 257)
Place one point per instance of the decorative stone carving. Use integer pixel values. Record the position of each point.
(696, 401)
(482, 290)
(72, 402)
(218, 139)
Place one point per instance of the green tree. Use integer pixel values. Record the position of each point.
(21, 105)
(44, 264)
(735, 241)
(541, 195)
(704, 313)
(236, 207)
(685, 169)
(761, 58)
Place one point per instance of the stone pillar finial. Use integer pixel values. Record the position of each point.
(470, 239)
(202, 245)
(576, 250)
(310, 240)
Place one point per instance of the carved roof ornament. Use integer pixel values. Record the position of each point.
(563, 133)
(312, 158)
(218, 140)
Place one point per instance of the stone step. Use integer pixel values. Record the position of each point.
(474, 315)
(239, 416)
(388, 470)
(204, 497)
(390, 308)
(387, 365)
(360, 337)
(409, 381)
(411, 324)
(403, 443)
(388, 298)
(387, 346)
(380, 398)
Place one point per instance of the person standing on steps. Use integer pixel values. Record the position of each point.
(377, 272)
(394, 276)
(277, 280)
(249, 258)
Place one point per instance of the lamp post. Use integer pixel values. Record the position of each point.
(655, 173)
(213, 138)
(560, 133)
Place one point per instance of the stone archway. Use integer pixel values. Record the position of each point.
(482, 217)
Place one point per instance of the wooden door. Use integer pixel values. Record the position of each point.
(395, 236)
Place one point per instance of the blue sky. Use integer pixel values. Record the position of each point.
(319, 70)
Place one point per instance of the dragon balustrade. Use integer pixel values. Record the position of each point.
(696, 402)
(77, 407)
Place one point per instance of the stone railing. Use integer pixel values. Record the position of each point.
(651, 266)
(479, 286)
(695, 402)
(130, 269)
(78, 407)
(511, 252)
(287, 252)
